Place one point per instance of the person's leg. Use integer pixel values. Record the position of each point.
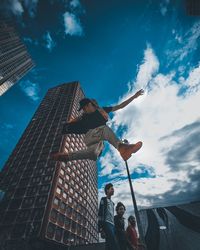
(125, 150)
(108, 135)
(111, 241)
(94, 138)
(91, 153)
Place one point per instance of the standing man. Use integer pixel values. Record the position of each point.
(120, 226)
(106, 219)
(92, 123)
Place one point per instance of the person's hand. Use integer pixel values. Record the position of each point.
(138, 93)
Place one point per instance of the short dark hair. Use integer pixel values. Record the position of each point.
(131, 217)
(108, 186)
(120, 204)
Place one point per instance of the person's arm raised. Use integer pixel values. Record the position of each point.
(129, 100)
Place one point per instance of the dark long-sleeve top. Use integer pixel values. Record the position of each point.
(86, 122)
(120, 227)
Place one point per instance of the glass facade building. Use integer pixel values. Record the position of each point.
(46, 199)
(15, 61)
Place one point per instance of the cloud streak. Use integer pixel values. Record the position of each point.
(49, 42)
(30, 89)
(72, 25)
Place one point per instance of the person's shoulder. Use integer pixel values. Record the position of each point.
(103, 199)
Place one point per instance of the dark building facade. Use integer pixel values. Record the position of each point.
(173, 227)
(15, 61)
(44, 199)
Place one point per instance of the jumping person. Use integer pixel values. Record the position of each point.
(92, 123)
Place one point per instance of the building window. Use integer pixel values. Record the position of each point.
(47, 178)
(63, 206)
(32, 191)
(37, 214)
(41, 201)
(62, 171)
(28, 202)
(64, 195)
(54, 215)
(15, 203)
(61, 219)
(66, 186)
(58, 190)
(73, 226)
(60, 180)
(56, 201)
(71, 190)
(44, 189)
(66, 237)
(23, 215)
(69, 211)
(58, 233)
(20, 192)
(51, 230)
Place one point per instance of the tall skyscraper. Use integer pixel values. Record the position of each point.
(44, 199)
(15, 61)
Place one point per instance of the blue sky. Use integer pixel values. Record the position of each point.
(113, 48)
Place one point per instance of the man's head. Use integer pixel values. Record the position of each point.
(120, 208)
(132, 220)
(87, 105)
(109, 190)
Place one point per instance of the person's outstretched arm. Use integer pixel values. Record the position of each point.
(129, 100)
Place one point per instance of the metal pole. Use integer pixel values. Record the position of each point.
(142, 240)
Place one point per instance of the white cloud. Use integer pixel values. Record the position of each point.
(164, 7)
(154, 118)
(147, 69)
(17, 7)
(30, 89)
(193, 80)
(49, 43)
(31, 41)
(72, 25)
(75, 3)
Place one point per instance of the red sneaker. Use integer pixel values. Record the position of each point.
(126, 150)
